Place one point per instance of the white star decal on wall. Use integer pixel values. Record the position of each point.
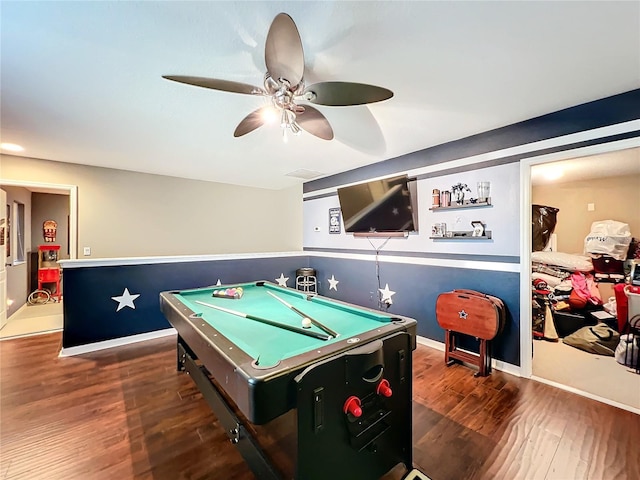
(333, 283)
(386, 294)
(125, 300)
(463, 314)
(282, 281)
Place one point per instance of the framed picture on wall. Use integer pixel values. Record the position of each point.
(334, 220)
(478, 228)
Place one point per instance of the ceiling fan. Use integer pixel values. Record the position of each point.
(284, 85)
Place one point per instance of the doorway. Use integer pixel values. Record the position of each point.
(40, 318)
(555, 363)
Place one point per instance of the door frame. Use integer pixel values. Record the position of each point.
(3, 260)
(526, 337)
(71, 190)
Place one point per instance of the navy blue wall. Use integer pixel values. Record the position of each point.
(417, 288)
(90, 313)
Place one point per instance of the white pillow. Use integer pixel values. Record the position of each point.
(573, 263)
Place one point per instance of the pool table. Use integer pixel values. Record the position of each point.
(339, 405)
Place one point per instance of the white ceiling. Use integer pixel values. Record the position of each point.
(612, 164)
(81, 81)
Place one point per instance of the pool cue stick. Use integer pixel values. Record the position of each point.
(320, 336)
(304, 315)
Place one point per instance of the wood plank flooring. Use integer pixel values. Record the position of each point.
(125, 413)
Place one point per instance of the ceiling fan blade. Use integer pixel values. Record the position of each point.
(315, 123)
(215, 84)
(283, 53)
(342, 94)
(252, 121)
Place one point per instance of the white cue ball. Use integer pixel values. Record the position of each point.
(306, 323)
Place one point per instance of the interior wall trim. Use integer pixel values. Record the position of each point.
(116, 342)
(518, 139)
(603, 135)
(112, 262)
(521, 156)
(442, 256)
(447, 170)
(435, 262)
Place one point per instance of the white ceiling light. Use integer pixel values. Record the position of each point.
(553, 173)
(11, 147)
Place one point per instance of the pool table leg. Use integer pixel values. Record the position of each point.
(235, 429)
(182, 350)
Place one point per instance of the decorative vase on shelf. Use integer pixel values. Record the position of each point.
(457, 191)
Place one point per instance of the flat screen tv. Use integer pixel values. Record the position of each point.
(380, 206)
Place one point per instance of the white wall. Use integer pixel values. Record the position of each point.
(613, 198)
(127, 214)
(502, 218)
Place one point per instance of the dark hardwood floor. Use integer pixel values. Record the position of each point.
(125, 413)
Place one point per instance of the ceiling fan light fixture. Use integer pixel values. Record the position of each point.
(284, 86)
(288, 122)
(284, 119)
(270, 85)
(269, 115)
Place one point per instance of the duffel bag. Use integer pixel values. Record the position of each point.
(599, 339)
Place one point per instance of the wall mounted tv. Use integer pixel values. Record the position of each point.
(385, 206)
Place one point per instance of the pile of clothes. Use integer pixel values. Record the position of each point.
(564, 292)
(569, 278)
(566, 301)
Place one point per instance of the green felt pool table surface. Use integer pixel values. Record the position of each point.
(269, 344)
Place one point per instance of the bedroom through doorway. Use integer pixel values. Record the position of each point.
(579, 191)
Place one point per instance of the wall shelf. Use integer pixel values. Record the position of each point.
(465, 236)
(466, 205)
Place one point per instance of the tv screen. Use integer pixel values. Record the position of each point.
(386, 205)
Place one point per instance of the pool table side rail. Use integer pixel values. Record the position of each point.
(364, 311)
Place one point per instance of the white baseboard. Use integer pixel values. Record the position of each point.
(495, 364)
(582, 393)
(116, 342)
(427, 342)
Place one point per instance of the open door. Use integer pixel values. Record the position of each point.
(3, 258)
